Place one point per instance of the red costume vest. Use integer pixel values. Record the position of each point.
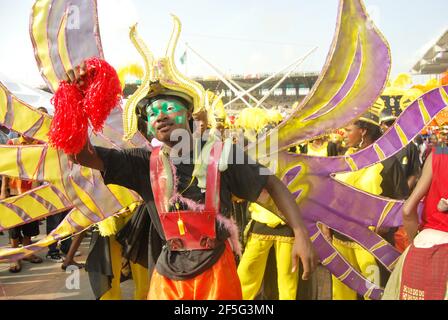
(186, 230)
(433, 218)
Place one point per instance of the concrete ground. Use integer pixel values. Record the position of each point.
(47, 280)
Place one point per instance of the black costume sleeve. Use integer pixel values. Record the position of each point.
(414, 164)
(394, 182)
(127, 168)
(332, 149)
(245, 177)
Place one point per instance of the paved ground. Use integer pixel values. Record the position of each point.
(48, 281)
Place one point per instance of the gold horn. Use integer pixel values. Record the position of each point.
(173, 79)
(130, 121)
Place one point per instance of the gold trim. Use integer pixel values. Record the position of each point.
(369, 121)
(345, 274)
(369, 291)
(314, 236)
(351, 163)
(348, 244)
(424, 111)
(386, 210)
(267, 237)
(329, 259)
(392, 265)
(380, 244)
(404, 140)
(444, 95)
(379, 152)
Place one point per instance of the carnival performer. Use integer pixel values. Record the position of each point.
(108, 262)
(187, 198)
(267, 231)
(408, 156)
(422, 271)
(265, 269)
(386, 179)
(13, 187)
(409, 159)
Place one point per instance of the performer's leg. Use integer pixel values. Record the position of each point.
(252, 266)
(140, 275)
(339, 290)
(114, 293)
(287, 280)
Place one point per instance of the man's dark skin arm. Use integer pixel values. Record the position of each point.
(87, 157)
(302, 248)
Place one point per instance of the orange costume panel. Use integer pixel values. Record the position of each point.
(219, 282)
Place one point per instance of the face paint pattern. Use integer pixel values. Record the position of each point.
(166, 107)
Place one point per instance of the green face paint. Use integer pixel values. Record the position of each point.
(166, 107)
(180, 119)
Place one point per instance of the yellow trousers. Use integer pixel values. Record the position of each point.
(253, 263)
(139, 275)
(361, 260)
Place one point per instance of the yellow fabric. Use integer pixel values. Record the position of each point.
(111, 225)
(253, 264)
(140, 275)
(262, 215)
(368, 180)
(361, 260)
(321, 151)
(114, 292)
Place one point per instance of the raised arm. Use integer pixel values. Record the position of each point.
(410, 215)
(303, 247)
(88, 158)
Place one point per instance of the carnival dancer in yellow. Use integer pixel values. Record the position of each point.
(386, 179)
(108, 262)
(267, 231)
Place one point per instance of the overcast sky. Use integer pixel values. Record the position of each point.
(244, 37)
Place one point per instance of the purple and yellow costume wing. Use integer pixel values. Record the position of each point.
(353, 78)
(59, 45)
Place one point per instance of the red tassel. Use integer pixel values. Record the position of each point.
(69, 127)
(102, 92)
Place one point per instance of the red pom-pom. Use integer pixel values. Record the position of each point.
(102, 91)
(69, 127)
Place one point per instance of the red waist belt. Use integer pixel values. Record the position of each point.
(189, 230)
(186, 230)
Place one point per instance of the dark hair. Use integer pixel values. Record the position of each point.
(373, 131)
(389, 123)
(418, 139)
